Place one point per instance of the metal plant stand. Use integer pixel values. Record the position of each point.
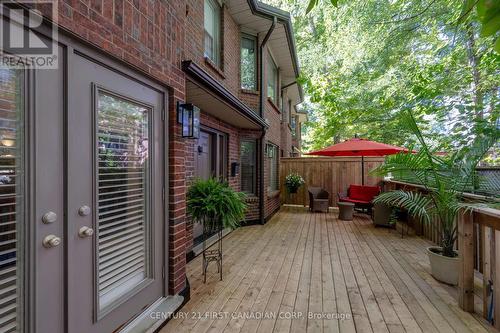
(212, 255)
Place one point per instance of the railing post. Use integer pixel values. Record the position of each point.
(487, 250)
(496, 278)
(466, 249)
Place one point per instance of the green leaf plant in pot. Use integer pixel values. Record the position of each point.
(293, 182)
(444, 179)
(217, 206)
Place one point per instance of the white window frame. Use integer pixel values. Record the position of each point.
(254, 40)
(215, 33)
(271, 65)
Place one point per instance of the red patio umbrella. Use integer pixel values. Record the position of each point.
(359, 147)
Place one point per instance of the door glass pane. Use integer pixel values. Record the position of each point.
(11, 199)
(248, 170)
(123, 197)
(222, 157)
(273, 163)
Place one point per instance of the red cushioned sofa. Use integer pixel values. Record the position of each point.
(360, 195)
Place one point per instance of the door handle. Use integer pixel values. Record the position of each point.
(85, 232)
(51, 241)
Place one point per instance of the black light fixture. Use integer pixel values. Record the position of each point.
(189, 116)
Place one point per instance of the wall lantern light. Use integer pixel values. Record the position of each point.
(189, 116)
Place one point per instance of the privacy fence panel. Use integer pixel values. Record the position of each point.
(334, 174)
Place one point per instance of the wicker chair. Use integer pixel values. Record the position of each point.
(318, 199)
(381, 215)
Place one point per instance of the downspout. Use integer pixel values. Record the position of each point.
(261, 113)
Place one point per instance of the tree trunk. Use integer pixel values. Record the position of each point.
(474, 61)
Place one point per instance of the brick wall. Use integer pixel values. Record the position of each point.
(228, 71)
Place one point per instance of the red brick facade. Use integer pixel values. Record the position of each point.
(155, 37)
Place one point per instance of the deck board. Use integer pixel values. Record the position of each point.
(303, 264)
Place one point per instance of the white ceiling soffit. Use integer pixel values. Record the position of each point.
(293, 93)
(278, 42)
(211, 104)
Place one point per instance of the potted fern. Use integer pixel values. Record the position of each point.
(444, 181)
(217, 206)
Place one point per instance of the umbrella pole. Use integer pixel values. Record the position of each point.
(362, 170)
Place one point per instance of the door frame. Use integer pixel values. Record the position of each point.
(70, 45)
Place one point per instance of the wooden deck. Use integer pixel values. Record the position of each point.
(331, 275)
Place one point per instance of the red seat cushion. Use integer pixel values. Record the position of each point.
(354, 200)
(363, 193)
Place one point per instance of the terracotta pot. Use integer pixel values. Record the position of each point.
(444, 269)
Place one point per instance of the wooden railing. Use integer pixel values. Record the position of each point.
(478, 246)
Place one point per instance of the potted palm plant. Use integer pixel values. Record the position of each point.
(444, 180)
(217, 206)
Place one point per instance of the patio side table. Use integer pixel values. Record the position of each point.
(346, 210)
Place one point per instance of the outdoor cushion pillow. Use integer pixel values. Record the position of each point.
(364, 193)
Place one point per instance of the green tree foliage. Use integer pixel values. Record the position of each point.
(364, 62)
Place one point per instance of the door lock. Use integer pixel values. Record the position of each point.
(85, 232)
(84, 210)
(51, 241)
(49, 217)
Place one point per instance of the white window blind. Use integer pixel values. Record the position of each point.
(11, 200)
(123, 200)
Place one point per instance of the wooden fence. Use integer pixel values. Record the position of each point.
(334, 174)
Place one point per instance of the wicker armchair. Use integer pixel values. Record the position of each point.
(381, 215)
(318, 199)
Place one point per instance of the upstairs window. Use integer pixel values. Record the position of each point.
(212, 31)
(272, 80)
(248, 63)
